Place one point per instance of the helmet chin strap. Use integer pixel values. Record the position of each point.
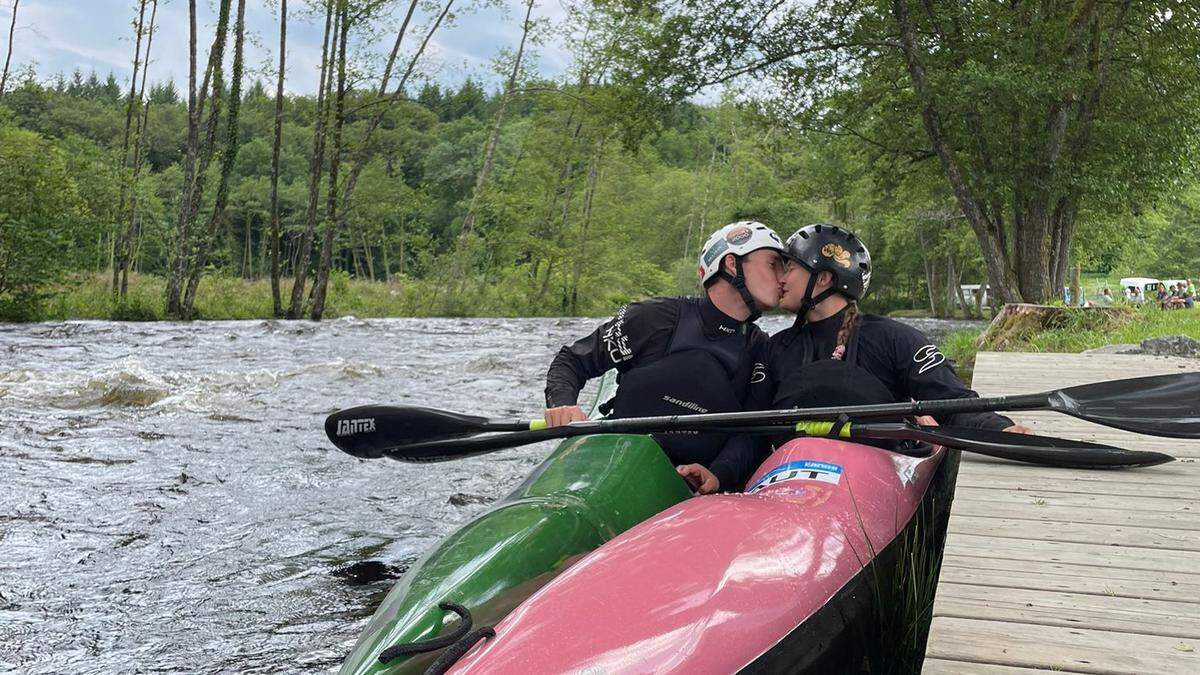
(738, 281)
(809, 301)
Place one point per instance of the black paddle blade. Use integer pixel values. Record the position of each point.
(366, 431)
(1042, 450)
(1162, 405)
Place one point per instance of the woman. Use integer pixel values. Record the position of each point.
(836, 355)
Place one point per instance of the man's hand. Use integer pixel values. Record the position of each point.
(556, 417)
(1019, 429)
(700, 479)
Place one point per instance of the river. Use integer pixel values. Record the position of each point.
(170, 502)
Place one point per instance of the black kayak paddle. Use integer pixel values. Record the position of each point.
(1028, 448)
(1161, 405)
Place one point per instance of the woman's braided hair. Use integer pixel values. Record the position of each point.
(849, 322)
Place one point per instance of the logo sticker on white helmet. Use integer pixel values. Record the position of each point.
(717, 249)
(739, 235)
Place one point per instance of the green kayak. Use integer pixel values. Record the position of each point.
(586, 492)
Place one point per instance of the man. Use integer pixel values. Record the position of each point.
(679, 356)
(836, 355)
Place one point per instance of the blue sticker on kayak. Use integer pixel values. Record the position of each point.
(802, 470)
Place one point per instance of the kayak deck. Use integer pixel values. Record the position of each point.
(769, 580)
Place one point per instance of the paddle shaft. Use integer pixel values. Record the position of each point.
(784, 417)
(1031, 449)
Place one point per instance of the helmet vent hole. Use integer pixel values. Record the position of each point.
(862, 266)
(802, 233)
(817, 228)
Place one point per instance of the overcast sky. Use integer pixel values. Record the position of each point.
(63, 35)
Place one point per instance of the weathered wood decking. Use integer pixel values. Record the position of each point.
(1066, 570)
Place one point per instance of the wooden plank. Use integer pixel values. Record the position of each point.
(1175, 473)
(1060, 577)
(1132, 488)
(1072, 369)
(1084, 533)
(1045, 512)
(1036, 498)
(944, 667)
(1069, 610)
(1070, 649)
(1091, 501)
(1094, 555)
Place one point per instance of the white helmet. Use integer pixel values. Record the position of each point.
(740, 239)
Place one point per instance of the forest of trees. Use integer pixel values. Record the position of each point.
(964, 144)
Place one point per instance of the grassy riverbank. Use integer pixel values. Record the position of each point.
(89, 296)
(1076, 336)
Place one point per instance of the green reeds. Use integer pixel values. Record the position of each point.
(901, 583)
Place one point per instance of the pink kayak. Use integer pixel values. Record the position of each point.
(769, 581)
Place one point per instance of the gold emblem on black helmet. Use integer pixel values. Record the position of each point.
(838, 254)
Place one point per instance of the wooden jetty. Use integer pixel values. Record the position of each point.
(1066, 570)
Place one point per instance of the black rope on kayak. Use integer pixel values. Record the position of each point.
(420, 647)
(457, 650)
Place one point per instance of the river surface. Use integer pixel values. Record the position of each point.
(169, 502)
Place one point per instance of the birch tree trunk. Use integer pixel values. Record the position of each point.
(120, 232)
(229, 156)
(12, 29)
(133, 232)
(581, 255)
(316, 168)
(276, 297)
(198, 151)
(331, 206)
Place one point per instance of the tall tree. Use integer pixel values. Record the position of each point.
(131, 233)
(316, 165)
(276, 300)
(216, 220)
(119, 235)
(1033, 112)
(12, 29)
(199, 151)
(383, 103)
(335, 160)
(489, 148)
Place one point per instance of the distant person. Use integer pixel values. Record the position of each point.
(1189, 297)
(1105, 298)
(1135, 295)
(1176, 300)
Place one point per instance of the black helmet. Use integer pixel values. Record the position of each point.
(828, 248)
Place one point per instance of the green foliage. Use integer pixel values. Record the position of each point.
(40, 213)
(1039, 115)
(1079, 335)
(603, 189)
